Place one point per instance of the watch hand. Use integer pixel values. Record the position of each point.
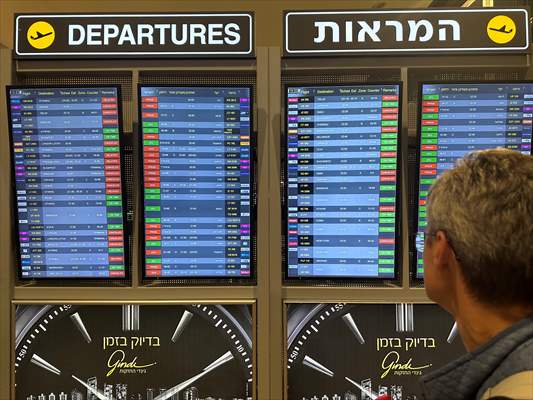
(180, 386)
(41, 362)
(94, 391)
(370, 393)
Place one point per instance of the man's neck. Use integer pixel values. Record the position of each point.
(478, 323)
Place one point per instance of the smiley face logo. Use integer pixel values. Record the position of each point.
(41, 35)
(501, 29)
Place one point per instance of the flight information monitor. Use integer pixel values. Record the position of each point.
(458, 118)
(198, 157)
(66, 156)
(342, 167)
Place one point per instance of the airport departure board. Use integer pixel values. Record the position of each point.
(458, 118)
(66, 156)
(342, 167)
(198, 182)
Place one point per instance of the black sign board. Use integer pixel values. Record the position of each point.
(134, 35)
(320, 33)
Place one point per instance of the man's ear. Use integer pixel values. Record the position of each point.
(442, 250)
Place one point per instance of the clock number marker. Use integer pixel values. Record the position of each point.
(348, 319)
(76, 319)
(40, 362)
(184, 321)
(313, 364)
(404, 318)
(130, 317)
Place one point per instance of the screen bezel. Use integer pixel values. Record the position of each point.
(412, 235)
(204, 280)
(284, 200)
(126, 230)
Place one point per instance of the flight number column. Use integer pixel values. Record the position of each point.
(527, 114)
(518, 123)
(27, 176)
(292, 183)
(152, 185)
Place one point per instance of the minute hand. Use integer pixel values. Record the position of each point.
(180, 386)
(94, 391)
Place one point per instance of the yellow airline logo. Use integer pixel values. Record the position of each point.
(501, 29)
(41, 35)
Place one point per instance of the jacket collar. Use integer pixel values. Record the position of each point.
(461, 379)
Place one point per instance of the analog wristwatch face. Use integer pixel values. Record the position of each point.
(359, 351)
(136, 352)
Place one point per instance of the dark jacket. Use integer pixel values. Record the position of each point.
(470, 376)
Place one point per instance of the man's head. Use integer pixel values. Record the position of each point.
(480, 230)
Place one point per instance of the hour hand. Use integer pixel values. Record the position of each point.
(180, 386)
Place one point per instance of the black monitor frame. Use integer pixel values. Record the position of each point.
(317, 280)
(202, 280)
(125, 225)
(414, 211)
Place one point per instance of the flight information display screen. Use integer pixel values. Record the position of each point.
(66, 156)
(342, 167)
(198, 182)
(458, 118)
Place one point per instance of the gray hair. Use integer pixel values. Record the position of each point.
(485, 206)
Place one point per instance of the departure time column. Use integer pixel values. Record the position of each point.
(25, 185)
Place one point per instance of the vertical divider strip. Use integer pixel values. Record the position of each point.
(405, 270)
(7, 253)
(135, 130)
(262, 349)
(277, 344)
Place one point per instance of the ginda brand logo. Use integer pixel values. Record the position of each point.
(391, 363)
(41, 35)
(117, 361)
(501, 29)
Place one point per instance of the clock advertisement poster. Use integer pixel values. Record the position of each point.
(134, 352)
(361, 351)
